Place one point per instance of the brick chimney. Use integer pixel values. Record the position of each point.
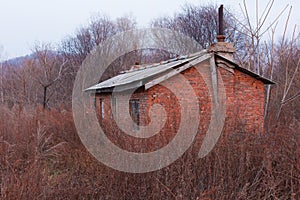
(221, 47)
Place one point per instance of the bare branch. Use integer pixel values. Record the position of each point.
(268, 8)
(248, 17)
(276, 19)
(291, 98)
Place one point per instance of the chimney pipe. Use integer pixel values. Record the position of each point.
(221, 35)
(221, 47)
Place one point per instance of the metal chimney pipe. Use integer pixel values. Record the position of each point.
(221, 21)
(221, 35)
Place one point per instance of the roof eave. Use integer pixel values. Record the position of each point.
(246, 71)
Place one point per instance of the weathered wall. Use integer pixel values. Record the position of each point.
(244, 108)
(244, 102)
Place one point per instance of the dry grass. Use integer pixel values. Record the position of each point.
(42, 158)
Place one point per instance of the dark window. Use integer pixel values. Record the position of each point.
(134, 107)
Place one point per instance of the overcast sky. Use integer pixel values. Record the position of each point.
(26, 22)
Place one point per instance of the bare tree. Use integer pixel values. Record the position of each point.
(278, 61)
(284, 69)
(125, 23)
(87, 38)
(201, 24)
(254, 33)
(50, 68)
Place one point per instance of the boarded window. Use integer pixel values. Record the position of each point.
(134, 107)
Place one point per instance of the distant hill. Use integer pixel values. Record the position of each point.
(17, 61)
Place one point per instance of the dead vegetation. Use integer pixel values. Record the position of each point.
(41, 156)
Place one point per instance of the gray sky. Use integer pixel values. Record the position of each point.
(26, 22)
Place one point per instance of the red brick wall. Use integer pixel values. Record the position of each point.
(244, 108)
(244, 102)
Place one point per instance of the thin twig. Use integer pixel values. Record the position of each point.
(166, 187)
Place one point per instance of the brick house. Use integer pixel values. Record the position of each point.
(244, 97)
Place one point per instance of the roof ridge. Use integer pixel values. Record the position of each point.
(150, 65)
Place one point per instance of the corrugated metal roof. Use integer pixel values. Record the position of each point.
(145, 72)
